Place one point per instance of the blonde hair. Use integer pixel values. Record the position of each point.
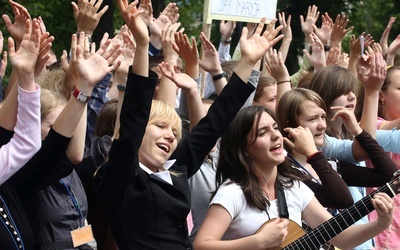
(49, 101)
(163, 112)
(55, 81)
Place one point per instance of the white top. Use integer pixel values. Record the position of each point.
(247, 220)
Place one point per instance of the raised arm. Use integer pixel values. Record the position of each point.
(385, 36)
(187, 84)
(392, 51)
(339, 31)
(168, 15)
(211, 63)
(275, 66)
(287, 34)
(317, 57)
(167, 91)
(87, 15)
(26, 140)
(86, 68)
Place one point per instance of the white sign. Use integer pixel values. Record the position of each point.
(241, 10)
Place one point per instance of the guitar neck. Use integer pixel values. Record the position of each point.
(332, 227)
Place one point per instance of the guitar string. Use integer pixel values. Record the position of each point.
(344, 215)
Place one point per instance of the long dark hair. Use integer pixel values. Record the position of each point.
(236, 166)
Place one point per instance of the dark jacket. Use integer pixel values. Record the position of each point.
(146, 212)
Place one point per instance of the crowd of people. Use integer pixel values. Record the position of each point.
(143, 144)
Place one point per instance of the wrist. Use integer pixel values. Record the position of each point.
(313, 155)
(82, 96)
(226, 41)
(219, 76)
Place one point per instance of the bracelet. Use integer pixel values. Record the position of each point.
(227, 41)
(312, 155)
(327, 47)
(219, 76)
(283, 81)
(121, 87)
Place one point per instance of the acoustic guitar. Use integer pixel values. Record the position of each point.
(297, 238)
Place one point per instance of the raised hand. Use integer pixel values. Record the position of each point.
(257, 45)
(126, 56)
(87, 15)
(339, 30)
(24, 59)
(226, 29)
(167, 16)
(17, 29)
(87, 67)
(324, 33)
(393, 48)
(188, 52)
(385, 36)
(131, 15)
(171, 11)
(317, 58)
(301, 140)
(307, 24)
(276, 66)
(147, 14)
(210, 62)
(167, 39)
(355, 47)
(349, 119)
(372, 72)
(45, 47)
(181, 80)
(286, 29)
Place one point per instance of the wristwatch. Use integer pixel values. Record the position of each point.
(80, 96)
(219, 76)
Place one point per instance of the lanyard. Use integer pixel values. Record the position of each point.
(77, 205)
(295, 162)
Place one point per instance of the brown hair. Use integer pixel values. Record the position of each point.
(331, 82)
(264, 81)
(234, 164)
(290, 107)
(105, 121)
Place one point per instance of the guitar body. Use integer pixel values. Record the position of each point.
(297, 238)
(294, 232)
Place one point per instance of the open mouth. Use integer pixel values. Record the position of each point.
(276, 147)
(164, 147)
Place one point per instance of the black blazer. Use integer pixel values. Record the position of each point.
(145, 212)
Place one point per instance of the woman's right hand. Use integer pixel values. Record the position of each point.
(274, 233)
(349, 119)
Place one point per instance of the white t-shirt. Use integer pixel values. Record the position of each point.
(247, 220)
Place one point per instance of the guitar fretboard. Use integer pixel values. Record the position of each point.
(332, 227)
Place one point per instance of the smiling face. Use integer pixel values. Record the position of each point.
(161, 137)
(159, 142)
(265, 142)
(314, 118)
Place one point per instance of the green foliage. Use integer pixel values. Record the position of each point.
(370, 16)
